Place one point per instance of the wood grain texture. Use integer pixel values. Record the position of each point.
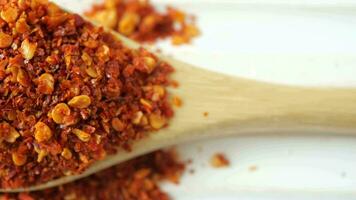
(237, 106)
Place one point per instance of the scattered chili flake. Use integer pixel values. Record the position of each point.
(253, 168)
(206, 114)
(177, 101)
(137, 179)
(174, 83)
(71, 93)
(219, 160)
(141, 21)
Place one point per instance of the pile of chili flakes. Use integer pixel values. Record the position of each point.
(141, 21)
(135, 179)
(70, 93)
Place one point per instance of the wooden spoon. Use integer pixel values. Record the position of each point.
(235, 106)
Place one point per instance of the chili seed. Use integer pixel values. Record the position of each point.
(9, 14)
(42, 132)
(23, 78)
(117, 124)
(150, 63)
(157, 121)
(19, 159)
(45, 83)
(106, 18)
(158, 92)
(103, 53)
(83, 136)
(137, 118)
(66, 153)
(60, 112)
(28, 49)
(82, 101)
(41, 154)
(128, 23)
(83, 158)
(91, 71)
(8, 133)
(87, 59)
(22, 26)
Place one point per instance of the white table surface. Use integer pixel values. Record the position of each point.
(291, 42)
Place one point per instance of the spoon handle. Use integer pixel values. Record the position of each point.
(248, 105)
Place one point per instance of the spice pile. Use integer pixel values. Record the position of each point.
(139, 20)
(70, 93)
(136, 179)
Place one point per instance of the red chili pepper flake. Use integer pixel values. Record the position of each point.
(141, 21)
(70, 94)
(177, 101)
(252, 168)
(174, 83)
(219, 160)
(206, 114)
(135, 179)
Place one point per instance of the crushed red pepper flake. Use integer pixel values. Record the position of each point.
(70, 94)
(177, 101)
(174, 83)
(219, 160)
(252, 168)
(141, 21)
(136, 179)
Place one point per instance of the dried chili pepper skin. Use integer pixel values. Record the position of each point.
(70, 93)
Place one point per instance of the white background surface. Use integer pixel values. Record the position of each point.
(291, 42)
